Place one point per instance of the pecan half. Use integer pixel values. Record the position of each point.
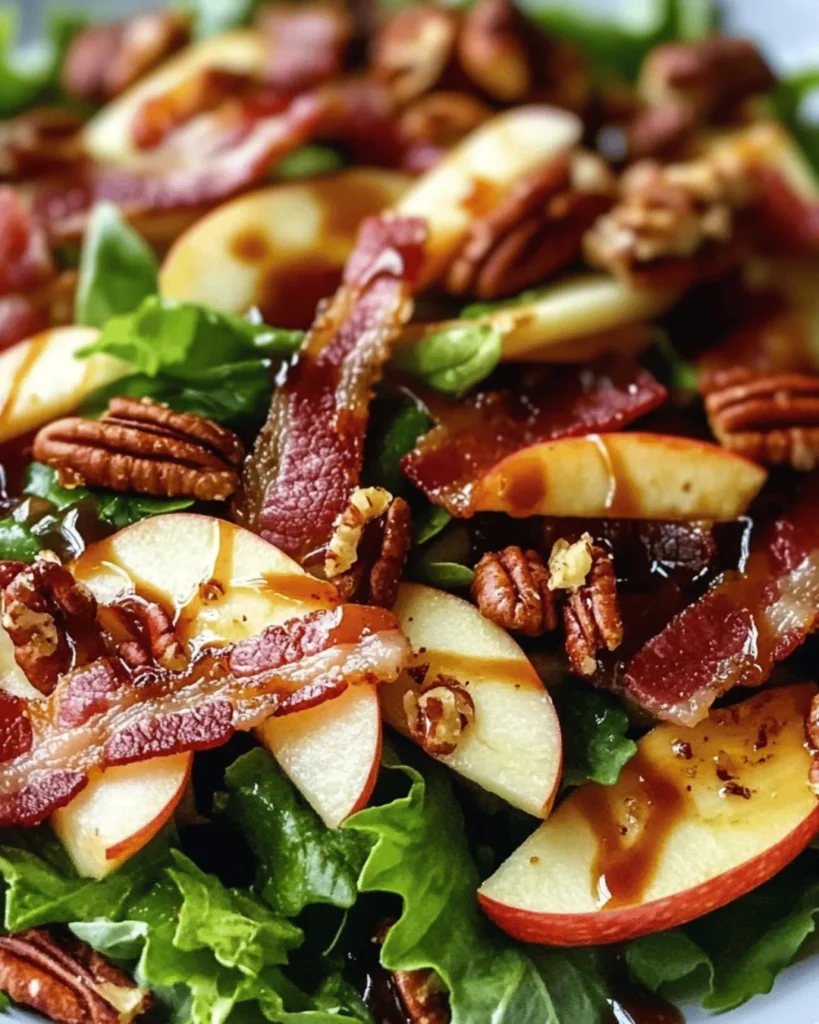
(141, 445)
(50, 618)
(711, 77)
(771, 418)
(537, 229)
(591, 615)
(437, 717)
(511, 588)
(105, 59)
(150, 637)
(681, 217)
(381, 552)
(441, 119)
(421, 994)
(67, 980)
(414, 49)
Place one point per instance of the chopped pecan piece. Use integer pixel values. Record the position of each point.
(150, 635)
(660, 133)
(681, 216)
(570, 563)
(106, 58)
(511, 587)
(141, 445)
(535, 231)
(67, 980)
(771, 418)
(711, 77)
(50, 618)
(374, 576)
(442, 119)
(414, 49)
(591, 615)
(421, 994)
(365, 505)
(437, 717)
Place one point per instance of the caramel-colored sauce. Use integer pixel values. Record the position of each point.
(482, 198)
(523, 487)
(632, 1009)
(251, 246)
(347, 201)
(463, 667)
(300, 588)
(212, 590)
(290, 288)
(35, 349)
(631, 832)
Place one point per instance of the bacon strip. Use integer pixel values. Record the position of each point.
(533, 404)
(739, 629)
(213, 160)
(307, 460)
(101, 716)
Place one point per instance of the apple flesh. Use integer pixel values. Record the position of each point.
(41, 379)
(120, 811)
(698, 818)
(221, 584)
(621, 475)
(513, 747)
(280, 249)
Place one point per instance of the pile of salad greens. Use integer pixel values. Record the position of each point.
(259, 912)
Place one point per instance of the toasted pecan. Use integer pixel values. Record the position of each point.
(381, 552)
(771, 418)
(67, 980)
(141, 445)
(591, 615)
(511, 587)
(438, 716)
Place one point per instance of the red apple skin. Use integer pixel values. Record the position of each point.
(128, 847)
(632, 922)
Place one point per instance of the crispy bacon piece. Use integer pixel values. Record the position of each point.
(307, 43)
(532, 404)
(102, 715)
(25, 260)
(742, 626)
(215, 157)
(308, 457)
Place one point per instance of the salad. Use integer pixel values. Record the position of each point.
(409, 521)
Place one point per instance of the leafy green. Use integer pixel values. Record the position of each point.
(429, 524)
(18, 543)
(195, 358)
(116, 510)
(453, 360)
(790, 101)
(475, 310)
(33, 77)
(669, 367)
(736, 952)
(211, 17)
(420, 854)
(594, 727)
(301, 861)
(617, 47)
(308, 162)
(391, 443)
(442, 561)
(118, 269)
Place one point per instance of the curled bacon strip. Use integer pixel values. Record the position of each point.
(216, 160)
(101, 715)
(739, 629)
(533, 404)
(308, 457)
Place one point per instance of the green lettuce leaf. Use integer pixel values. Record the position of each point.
(308, 162)
(118, 269)
(212, 17)
(453, 360)
(18, 543)
(32, 77)
(421, 855)
(735, 953)
(443, 560)
(594, 727)
(389, 443)
(301, 861)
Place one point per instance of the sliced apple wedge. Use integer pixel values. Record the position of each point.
(108, 137)
(593, 305)
(698, 817)
(120, 811)
(221, 584)
(474, 176)
(314, 745)
(513, 748)
(281, 249)
(627, 476)
(41, 379)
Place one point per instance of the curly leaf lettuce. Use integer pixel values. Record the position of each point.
(594, 727)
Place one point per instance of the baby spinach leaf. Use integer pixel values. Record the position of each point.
(594, 727)
(391, 443)
(453, 360)
(118, 269)
(17, 541)
(308, 162)
(33, 76)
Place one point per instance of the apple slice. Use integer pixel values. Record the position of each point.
(120, 811)
(221, 584)
(41, 379)
(513, 748)
(108, 136)
(572, 310)
(626, 476)
(698, 817)
(473, 177)
(281, 249)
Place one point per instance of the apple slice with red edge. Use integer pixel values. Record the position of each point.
(513, 747)
(221, 584)
(697, 818)
(622, 475)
